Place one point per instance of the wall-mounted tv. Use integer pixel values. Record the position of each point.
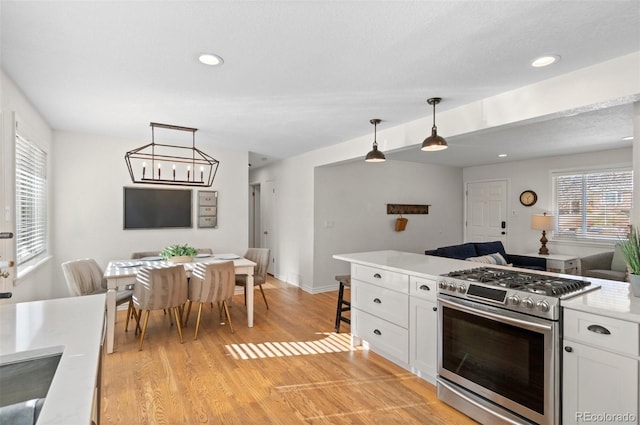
(146, 208)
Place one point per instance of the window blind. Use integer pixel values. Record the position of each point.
(31, 200)
(593, 205)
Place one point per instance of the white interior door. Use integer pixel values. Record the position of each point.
(486, 215)
(268, 213)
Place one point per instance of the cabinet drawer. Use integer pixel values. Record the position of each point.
(606, 332)
(384, 303)
(381, 335)
(423, 288)
(570, 264)
(390, 280)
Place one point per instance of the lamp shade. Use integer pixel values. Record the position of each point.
(543, 222)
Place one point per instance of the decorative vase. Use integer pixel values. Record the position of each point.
(634, 283)
(180, 259)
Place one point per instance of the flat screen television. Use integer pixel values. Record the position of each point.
(146, 208)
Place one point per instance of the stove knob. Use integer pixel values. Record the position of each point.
(452, 286)
(442, 284)
(542, 306)
(462, 288)
(513, 299)
(527, 303)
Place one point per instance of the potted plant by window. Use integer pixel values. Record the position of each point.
(179, 253)
(631, 250)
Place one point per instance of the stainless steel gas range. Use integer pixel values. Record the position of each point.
(499, 343)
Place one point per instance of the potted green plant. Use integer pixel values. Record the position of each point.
(179, 253)
(631, 251)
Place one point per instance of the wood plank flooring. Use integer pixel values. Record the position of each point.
(290, 368)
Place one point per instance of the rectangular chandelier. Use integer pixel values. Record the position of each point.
(157, 163)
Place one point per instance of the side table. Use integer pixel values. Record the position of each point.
(560, 263)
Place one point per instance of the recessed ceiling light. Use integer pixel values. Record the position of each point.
(628, 138)
(544, 61)
(502, 155)
(210, 59)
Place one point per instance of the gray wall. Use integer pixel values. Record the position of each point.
(350, 212)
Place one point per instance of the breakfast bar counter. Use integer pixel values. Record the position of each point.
(407, 262)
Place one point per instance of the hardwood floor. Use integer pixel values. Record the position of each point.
(288, 369)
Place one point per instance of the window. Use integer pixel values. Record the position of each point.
(593, 205)
(31, 200)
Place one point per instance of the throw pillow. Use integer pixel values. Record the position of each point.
(495, 258)
(486, 248)
(618, 262)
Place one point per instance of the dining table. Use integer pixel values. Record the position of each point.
(121, 274)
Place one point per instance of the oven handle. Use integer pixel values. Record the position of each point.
(499, 315)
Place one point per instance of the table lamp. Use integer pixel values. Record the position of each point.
(543, 222)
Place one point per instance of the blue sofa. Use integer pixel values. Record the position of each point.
(477, 249)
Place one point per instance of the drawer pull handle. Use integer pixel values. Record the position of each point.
(377, 332)
(377, 301)
(377, 276)
(425, 288)
(599, 329)
(568, 349)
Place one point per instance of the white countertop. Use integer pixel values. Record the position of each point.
(613, 299)
(407, 262)
(71, 325)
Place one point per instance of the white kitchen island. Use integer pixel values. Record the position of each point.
(393, 305)
(71, 326)
(394, 310)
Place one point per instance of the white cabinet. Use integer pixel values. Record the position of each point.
(423, 328)
(380, 311)
(396, 314)
(423, 340)
(600, 369)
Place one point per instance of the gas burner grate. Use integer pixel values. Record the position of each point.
(516, 279)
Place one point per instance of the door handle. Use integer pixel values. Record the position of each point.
(377, 301)
(503, 225)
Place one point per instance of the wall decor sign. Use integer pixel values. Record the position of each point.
(207, 209)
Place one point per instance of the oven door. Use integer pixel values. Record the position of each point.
(508, 358)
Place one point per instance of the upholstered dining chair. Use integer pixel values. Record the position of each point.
(211, 283)
(261, 257)
(159, 289)
(85, 277)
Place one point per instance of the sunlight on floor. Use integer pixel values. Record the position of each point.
(332, 343)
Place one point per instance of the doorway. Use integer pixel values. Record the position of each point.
(262, 213)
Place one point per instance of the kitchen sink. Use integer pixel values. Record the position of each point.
(25, 379)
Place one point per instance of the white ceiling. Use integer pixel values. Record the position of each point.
(303, 75)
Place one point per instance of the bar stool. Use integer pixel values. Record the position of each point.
(343, 305)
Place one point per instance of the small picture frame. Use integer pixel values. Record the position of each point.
(207, 222)
(207, 198)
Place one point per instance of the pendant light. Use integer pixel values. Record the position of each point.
(434, 142)
(375, 155)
